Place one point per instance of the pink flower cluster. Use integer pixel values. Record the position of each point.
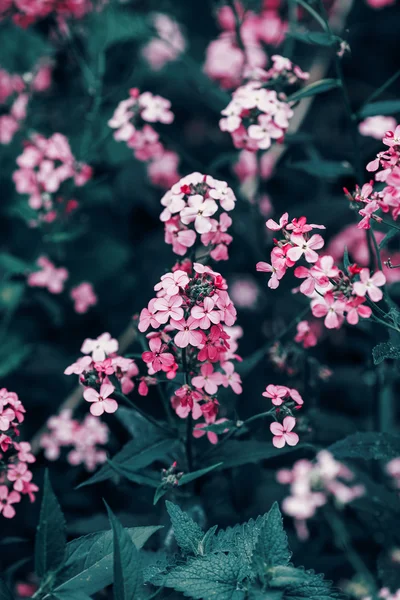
(191, 206)
(385, 592)
(255, 117)
(82, 438)
(167, 46)
(26, 12)
(387, 200)
(286, 399)
(226, 59)
(50, 277)
(393, 469)
(101, 362)
(334, 295)
(15, 456)
(44, 165)
(15, 92)
(191, 319)
(131, 123)
(314, 484)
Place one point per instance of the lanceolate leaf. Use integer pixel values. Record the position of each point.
(369, 446)
(188, 477)
(314, 37)
(236, 453)
(126, 561)
(188, 533)
(384, 107)
(89, 560)
(50, 541)
(315, 88)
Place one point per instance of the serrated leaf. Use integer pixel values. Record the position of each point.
(318, 87)
(135, 455)
(383, 107)
(314, 37)
(235, 453)
(272, 547)
(383, 351)
(51, 540)
(188, 533)
(242, 539)
(89, 560)
(5, 592)
(214, 577)
(303, 585)
(188, 477)
(126, 561)
(368, 446)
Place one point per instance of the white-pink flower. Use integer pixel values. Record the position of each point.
(307, 247)
(101, 347)
(370, 285)
(199, 211)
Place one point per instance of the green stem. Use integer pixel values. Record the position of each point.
(382, 88)
(146, 416)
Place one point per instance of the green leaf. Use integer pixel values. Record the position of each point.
(368, 446)
(71, 595)
(272, 548)
(135, 455)
(13, 265)
(188, 533)
(5, 593)
(383, 351)
(318, 87)
(314, 37)
(303, 585)
(242, 539)
(150, 479)
(389, 236)
(214, 577)
(324, 169)
(236, 453)
(384, 107)
(346, 260)
(196, 474)
(12, 355)
(89, 560)
(159, 493)
(126, 561)
(50, 541)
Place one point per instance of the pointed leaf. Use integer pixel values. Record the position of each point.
(126, 561)
(272, 548)
(50, 541)
(188, 477)
(318, 87)
(368, 446)
(188, 533)
(383, 107)
(236, 453)
(385, 350)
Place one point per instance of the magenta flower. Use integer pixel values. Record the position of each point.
(157, 356)
(277, 393)
(307, 247)
(101, 400)
(188, 333)
(370, 285)
(283, 433)
(6, 500)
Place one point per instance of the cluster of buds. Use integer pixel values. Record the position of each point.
(15, 92)
(15, 456)
(286, 400)
(314, 484)
(132, 122)
(191, 321)
(44, 165)
(191, 206)
(98, 367)
(170, 477)
(334, 295)
(82, 439)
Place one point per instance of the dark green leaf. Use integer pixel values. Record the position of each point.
(89, 560)
(314, 37)
(384, 107)
(383, 351)
(242, 539)
(346, 260)
(71, 595)
(12, 356)
(236, 453)
(5, 593)
(318, 87)
(188, 533)
(126, 561)
(159, 493)
(272, 548)
(13, 265)
(214, 577)
(369, 446)
(150, 479)
(196, 474)
(50, 541)
(324, 169)
(135, 455)
(389, 236)
(303, 585)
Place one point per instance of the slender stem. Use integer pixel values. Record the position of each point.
(189, 420)
(146, 416)
(382, 88)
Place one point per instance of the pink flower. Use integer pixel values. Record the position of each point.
(355, 309)
(392, 138)
(199, 211)
(305, 335)
(147, 318)
(209, 380)
(283, 433)
(231, 378)
(311, 279)
(84, 297)
(19, 474)
(168, 308)
(7, 416)
(188, 333)
(331, 309)
(172, 283)
(370, 285)
(277, 393)
(278, 270)
(101, 347)
(24, 452)
(211, 436)
(157, 356)
(6, 500)
(377, 126)
(48, 277)
(306, 247)
(101, 400)
(205, 315)
(283, 221)
(80, 366)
